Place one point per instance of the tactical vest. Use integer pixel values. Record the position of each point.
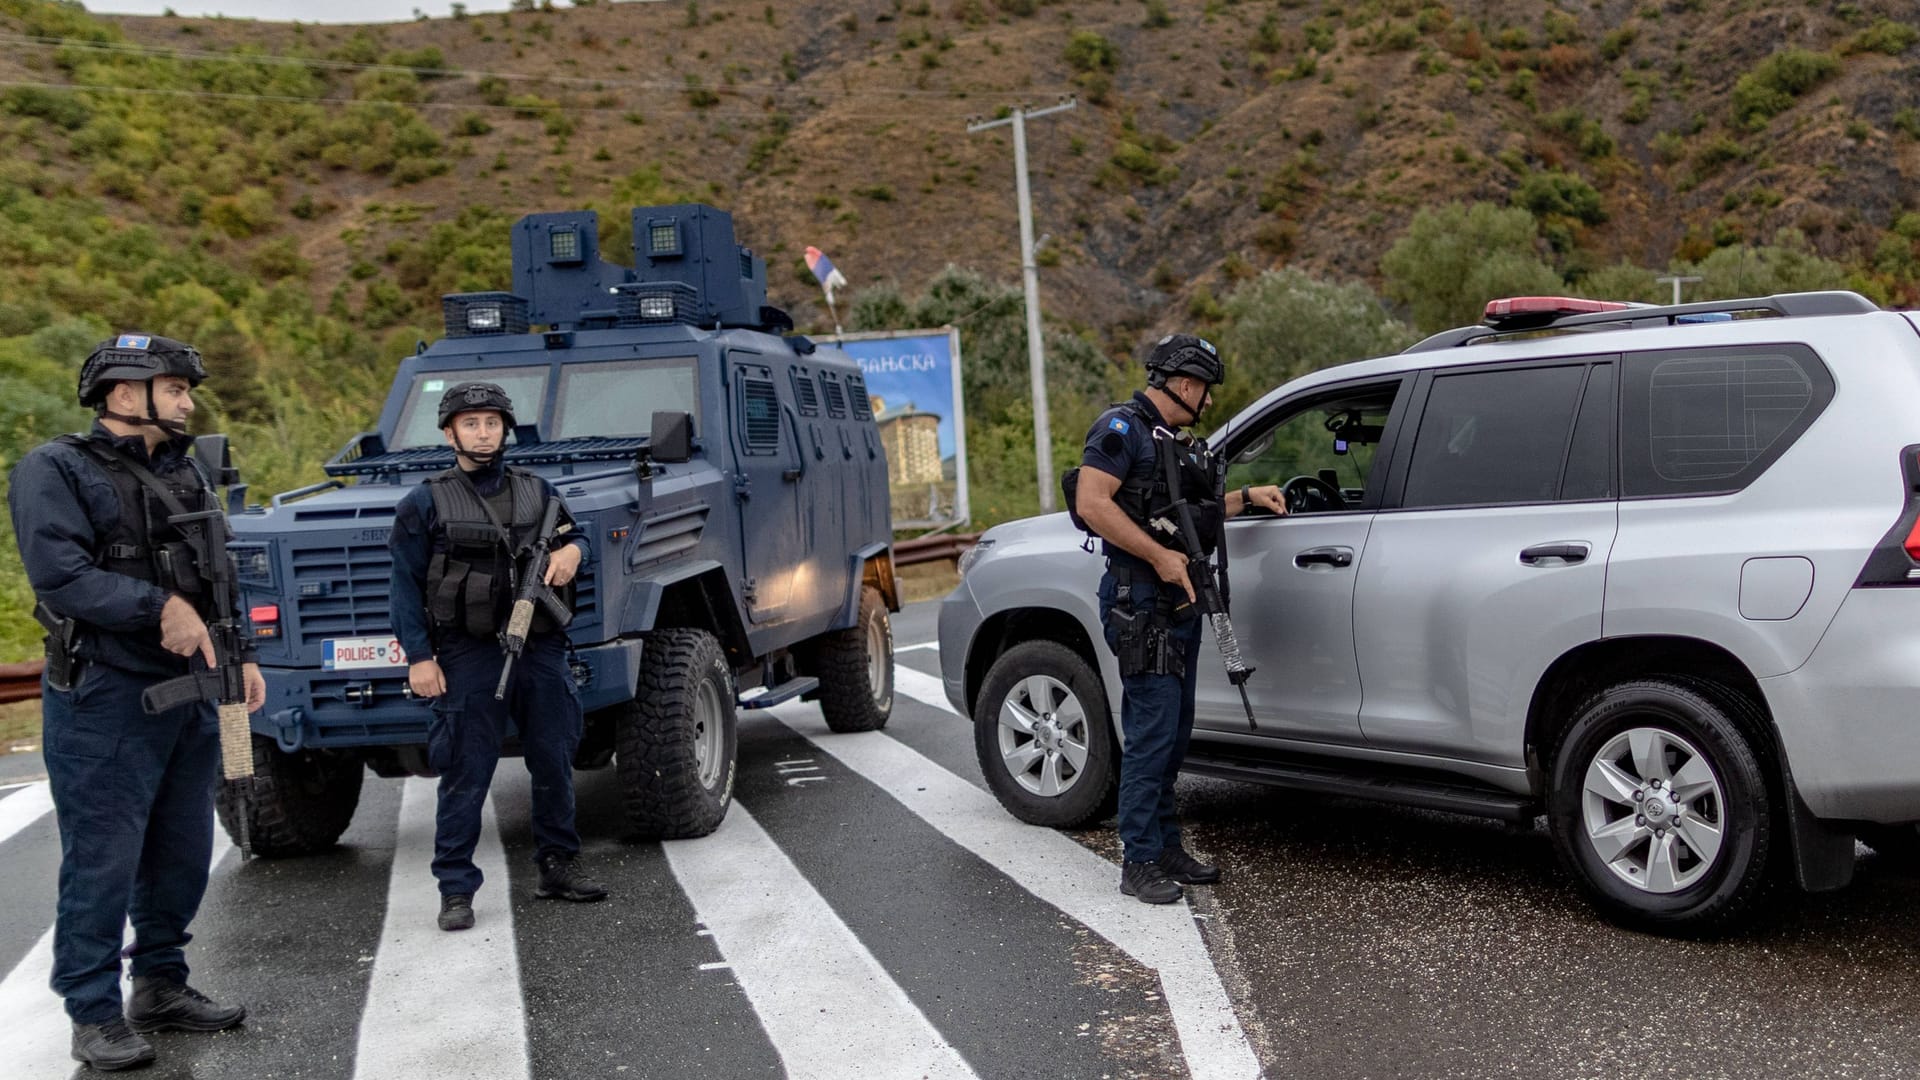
(1147, 502)
(470, 584)
(141, 544)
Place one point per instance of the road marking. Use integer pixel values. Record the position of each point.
(23, 808)
(1055, 869)
(829, 1008)
(443, 1004)
(916, 647)
(37, 1039)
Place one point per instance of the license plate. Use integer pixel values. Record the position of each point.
(347, 654)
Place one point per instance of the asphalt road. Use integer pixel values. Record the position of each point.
(1353, 940)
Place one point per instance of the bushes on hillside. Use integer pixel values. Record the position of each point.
(1771, 88)
(1455, 258)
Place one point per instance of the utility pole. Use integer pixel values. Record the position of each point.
(1677, 282)
(1036, 351)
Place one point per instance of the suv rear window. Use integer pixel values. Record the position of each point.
(1494, 437)
(1701, 421)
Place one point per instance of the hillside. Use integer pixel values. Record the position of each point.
(1209, 139)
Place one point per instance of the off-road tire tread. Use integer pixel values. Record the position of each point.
(287, 818)
(1727, 911)
(846, 697)
(659, 774)
(1084, 805)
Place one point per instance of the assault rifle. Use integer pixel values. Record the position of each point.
(1212, 591)
(530, 591)
(225, 684)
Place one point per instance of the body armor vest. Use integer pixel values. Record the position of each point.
(141, 544)
(1147, 502)
(470, 584)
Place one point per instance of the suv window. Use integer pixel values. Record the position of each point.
(1697, 421)
(1494, 437)
(621, 398)
(1333, 440)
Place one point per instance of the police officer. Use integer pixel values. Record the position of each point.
(126, 608)
(1147, 602)
(457, 540)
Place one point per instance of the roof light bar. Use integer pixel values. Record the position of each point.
(1522, 311)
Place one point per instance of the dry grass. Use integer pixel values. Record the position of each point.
(927, 581)
(20, 726)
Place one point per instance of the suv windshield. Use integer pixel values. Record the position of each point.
(526, 387)
(620, 398)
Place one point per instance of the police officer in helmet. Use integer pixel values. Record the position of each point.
(457, 544)
(126, 607)
(1147, 601)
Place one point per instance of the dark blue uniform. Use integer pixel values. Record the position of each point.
(133, 793)
(1156, 711)
(463, 743)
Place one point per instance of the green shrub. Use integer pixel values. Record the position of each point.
(60, 108)
(1885, 36)
(1559, 194)
(1771, 88)
(1089, 51)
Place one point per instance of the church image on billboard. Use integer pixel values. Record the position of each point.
(913, 384)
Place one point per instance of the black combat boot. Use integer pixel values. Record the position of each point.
(1186, 869)
(160, 1004)
(111, 1046)
(1148, 882)
(456, 912)
(561, 880)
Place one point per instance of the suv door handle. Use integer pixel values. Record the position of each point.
(1566, 551)
(1324, 556)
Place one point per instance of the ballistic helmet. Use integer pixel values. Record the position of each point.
(475, 397)
(1184, 354)
(136, 358)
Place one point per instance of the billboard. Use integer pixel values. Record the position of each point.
(913, 377)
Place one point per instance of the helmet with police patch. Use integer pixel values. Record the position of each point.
(475, 397)
(136, 358)
(1184, 354)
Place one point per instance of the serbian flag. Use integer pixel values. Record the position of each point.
(823, 269)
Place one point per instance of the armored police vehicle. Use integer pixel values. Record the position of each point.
(728, 473)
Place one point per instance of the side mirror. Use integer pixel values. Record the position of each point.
(671, 440)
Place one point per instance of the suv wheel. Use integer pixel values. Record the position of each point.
(299, 803)
(1660, 806)
(1044, 737)
(677, 743)
(856, 669)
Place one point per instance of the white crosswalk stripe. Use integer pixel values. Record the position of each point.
(830, 1008)
(442, 1004)
(787, 971)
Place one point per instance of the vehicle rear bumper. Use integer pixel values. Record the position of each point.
(1849, 718)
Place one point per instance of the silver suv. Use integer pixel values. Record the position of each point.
(1653, 572)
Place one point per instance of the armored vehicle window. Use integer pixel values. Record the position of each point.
(1697, 421)
(759, 412)
(836, 395)
(1494, 437)
(804, 392)
(527, 387)
(621, 398)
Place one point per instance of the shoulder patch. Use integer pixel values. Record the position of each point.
(1119, 425)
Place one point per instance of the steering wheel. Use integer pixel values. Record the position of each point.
(1311, 495)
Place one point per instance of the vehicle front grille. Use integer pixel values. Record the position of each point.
(341, 591)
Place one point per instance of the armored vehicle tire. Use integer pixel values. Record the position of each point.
(1660, 806)
(300, 804)
(1897, 845)
(676, 740)
(1044, 737)
(856, 669)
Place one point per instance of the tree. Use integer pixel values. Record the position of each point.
(1455, 258)
(1786, 265)
(1286, 323)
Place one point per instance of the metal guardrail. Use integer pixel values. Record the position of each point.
(20, 682)
(928, 549)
